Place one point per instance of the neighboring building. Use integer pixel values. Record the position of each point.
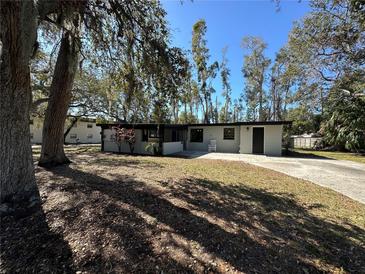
(84, 131)
(307, 140)
(241, 137)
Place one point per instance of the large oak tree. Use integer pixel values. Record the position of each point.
(18, 43)
(107, 28)
(103, 24)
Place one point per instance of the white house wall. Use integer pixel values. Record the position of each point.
(272, 139)
(246, 139)
(36, 131)
(215, 133)
(172, 147)
(81, 130)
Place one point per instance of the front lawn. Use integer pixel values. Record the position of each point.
(355, 157)
(108, 213)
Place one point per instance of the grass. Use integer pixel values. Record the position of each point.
(355, 157)
(109, 213)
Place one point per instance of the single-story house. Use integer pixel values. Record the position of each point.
(241, 137)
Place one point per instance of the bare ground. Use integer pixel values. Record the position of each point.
(108, 213)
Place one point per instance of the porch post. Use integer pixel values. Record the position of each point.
(161, 131)
(102, 138)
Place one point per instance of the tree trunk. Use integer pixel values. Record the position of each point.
(261, 96)
(73, 122)
(260, 105)
(18, 29)
(60, 96)
(206, 115)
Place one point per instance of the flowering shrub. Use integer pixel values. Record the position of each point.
(152, 147)
(124, 135)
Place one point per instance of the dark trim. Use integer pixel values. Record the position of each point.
(89, 120)
(141, 126)
(161, 134)
(144, 125)
(102, 139)
(244, 123)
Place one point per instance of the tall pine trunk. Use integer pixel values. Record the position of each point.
(53, 153)
(18, 28)
(261, 93)
(206, 112)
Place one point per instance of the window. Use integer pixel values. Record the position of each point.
(89, 125)
(153, 133)
(31, 122)
(73, 136)
(31, 135)
(228, 133)
(144, 135)
(89, 136)
(176, 135)
(196, 135)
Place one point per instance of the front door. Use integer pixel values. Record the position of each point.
(258, 140)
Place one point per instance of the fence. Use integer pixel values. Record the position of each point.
(304, 142)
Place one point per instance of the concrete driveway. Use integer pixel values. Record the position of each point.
(345, 177)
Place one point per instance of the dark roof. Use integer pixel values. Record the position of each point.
(87, 119)
(252, 123)
(153, 125)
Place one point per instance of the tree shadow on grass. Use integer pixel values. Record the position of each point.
(241, 228)
(278, 219)
(29, 246)
(125, 162)
(297, 154)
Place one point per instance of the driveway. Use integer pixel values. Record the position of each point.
(345, 177)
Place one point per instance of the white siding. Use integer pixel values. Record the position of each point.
(36, 130)
(215, 133)
(246, 139)
(82, 132)
(172, 147)
(272, 139)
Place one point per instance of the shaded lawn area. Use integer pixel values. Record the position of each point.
(108, 213)
(355, 157)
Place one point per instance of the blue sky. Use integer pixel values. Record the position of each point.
(228, 22)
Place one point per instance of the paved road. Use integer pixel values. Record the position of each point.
(345, 177)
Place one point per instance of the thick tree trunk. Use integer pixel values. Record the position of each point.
(60, 96)
(18, 28)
